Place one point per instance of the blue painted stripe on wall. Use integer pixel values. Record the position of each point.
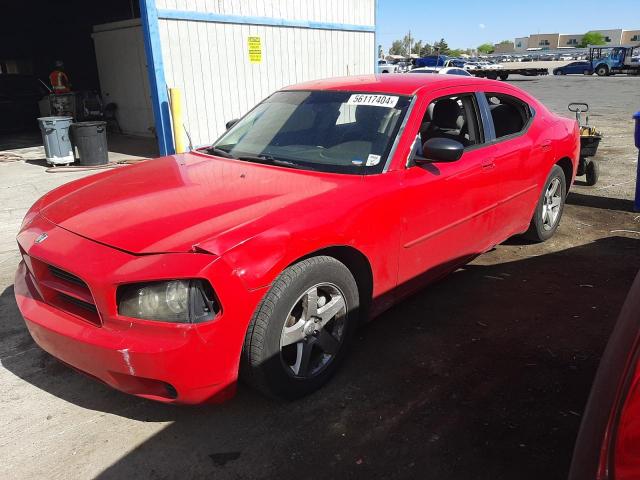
(155, 69)
(268, 21)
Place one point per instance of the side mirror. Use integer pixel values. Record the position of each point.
(231, 123)
(440, 150)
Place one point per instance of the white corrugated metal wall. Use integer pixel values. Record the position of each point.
(205, 53)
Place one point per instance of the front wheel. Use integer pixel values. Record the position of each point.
(602, 71)
(548, 212)
(301, 330)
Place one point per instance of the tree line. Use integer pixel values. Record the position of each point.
(421, 48)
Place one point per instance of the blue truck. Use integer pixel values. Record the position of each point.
(607, 60)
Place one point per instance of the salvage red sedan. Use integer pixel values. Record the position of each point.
(258, 255)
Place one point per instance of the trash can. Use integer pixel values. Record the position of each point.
(90, 142)
(55, 137)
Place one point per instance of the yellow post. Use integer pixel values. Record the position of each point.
(176, 119)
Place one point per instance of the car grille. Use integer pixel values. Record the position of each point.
(63, 290)
(61, 274)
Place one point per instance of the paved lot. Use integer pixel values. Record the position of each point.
(484, 375)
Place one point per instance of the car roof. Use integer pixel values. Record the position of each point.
(392, 83)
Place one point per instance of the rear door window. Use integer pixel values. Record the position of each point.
(510, 115)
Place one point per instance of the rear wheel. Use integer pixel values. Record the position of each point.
(504, 76)
(549, 208)
(302, 329)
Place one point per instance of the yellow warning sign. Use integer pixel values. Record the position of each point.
(255, 49)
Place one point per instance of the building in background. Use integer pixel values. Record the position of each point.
(630, 37)
(521, 44)
(611, 37)
(566, 40)
(543, 41)
(554, 41)
(507, 47)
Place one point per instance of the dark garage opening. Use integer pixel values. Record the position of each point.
(33, 35)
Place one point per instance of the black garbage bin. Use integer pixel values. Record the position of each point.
(90, 142)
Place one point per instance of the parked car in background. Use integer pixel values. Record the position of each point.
(485, 65)
(403, 67)
(454, 62)
(384, 67)
(608, 443)
(444, 71)
(565, 57)
(574, 68)
(19, 97)
(261, 253)
(472, 66)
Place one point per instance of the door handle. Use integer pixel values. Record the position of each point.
(488, 163)
(546, 145)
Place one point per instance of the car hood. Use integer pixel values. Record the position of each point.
(172, 204)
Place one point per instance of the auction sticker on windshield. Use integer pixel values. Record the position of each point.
(387, 101)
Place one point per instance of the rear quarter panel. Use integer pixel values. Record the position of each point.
(617, 381)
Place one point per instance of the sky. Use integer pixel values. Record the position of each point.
(467, 23)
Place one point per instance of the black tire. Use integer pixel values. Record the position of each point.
(592, 171)
(602, 71)
(263, 363)
(539, 230)
(504, 76)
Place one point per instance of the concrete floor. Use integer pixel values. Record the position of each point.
(28, 146)
(483, 375)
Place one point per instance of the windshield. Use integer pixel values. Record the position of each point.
(345, 132)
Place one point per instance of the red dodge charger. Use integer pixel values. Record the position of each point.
(258, 255)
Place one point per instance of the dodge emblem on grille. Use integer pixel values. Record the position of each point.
(41, 238)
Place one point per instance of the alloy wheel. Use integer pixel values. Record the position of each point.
(551, 204)
(314, 331)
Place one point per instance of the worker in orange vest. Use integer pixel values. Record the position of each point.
(59, 80)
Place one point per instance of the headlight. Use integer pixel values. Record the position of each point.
(179, 301)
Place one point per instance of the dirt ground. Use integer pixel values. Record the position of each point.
(482, 376)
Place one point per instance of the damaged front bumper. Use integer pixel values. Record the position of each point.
(168, 362)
